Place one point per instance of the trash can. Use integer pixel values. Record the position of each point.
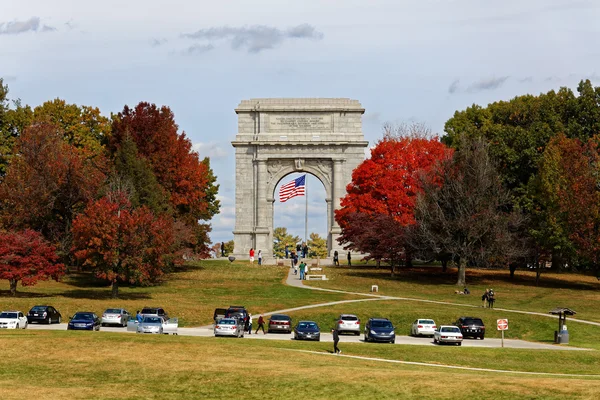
(564, 336)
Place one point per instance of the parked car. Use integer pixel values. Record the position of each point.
(115, 316)
(348, 323)
(151, 324)
(47, 314)
(13, 320)
(471, 327)
(229, 327)
(154, 312)
(380, 330)
(84, 320)
(280, 323)
(219, 313)
(423, 327)
(448, 334)
(238, 312)
(307, 330)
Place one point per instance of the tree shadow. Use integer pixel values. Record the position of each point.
(24, 295)
(103, 295)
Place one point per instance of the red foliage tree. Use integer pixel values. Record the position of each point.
(385, 187)
(25, 256)
(121, 244)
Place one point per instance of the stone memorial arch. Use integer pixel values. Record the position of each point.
(276, 137)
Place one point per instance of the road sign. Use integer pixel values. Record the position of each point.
(502, 324)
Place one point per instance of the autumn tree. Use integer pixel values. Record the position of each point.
(120, 243)
(317, 246)
(387, 185)
(281, 237)
(465, 211)
(27, 257)
(48, 184)
(13, 120)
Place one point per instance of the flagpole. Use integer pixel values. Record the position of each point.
(306, 212)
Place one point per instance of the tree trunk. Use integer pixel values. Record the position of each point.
(512, 267)
(13, 287)
(444, 265)
(115, 289)
(462, 282)
(378, 263)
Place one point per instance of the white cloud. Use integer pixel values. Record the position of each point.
(212, 149)
(16, 27)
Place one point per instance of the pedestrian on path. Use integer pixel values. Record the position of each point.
(336, 258)
(222, 249)
(302, 271)
(484, 297)
(336, 340)
(260, 257)
(261, 325)
(138, 316)
(250, 324)
(251, 256)
(305, 251)
(287, 251)
(349, 259)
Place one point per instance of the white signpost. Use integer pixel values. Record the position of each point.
(502, 326)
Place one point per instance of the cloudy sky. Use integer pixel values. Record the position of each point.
(403, 60)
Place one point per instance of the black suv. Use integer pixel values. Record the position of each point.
(471, 327)
(238, 312)
(46, 314)
(155, 312)
(380, 330)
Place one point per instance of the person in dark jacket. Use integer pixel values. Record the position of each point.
(336, 258)
(349, 259)
(261, 325)
(336, 340)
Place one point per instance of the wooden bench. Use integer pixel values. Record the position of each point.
(316, 277)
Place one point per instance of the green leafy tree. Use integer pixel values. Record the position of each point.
(12, 123)
(281, 237)
(317, 246)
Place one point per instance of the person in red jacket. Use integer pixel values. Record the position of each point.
(261, 325)
(251, 256)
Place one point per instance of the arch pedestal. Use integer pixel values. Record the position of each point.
(276, 137)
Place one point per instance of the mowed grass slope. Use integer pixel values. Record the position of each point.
(82, 365)
(578, 292)
(191, 294)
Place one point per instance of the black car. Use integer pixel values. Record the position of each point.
(238, 312)
(380, 330)
(85, 321)
(471, 327)
(307, 330)
(154, 312)
(46, 314)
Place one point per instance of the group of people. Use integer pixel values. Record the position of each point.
(259, 256)
(488, 298)
(300, 251)
(303, 268)
(336, 259)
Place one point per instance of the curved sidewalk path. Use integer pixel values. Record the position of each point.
(294, 280)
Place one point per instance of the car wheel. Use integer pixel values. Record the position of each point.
(459, 343)
(161, 331)
(366, 338)
(481, 337)
(357, 333)
(59, 319)
(49, 320)
(25, 325)
(435, 340)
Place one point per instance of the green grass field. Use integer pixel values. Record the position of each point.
(58, 364)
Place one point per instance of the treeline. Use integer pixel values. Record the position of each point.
(512, 184)
(124, 196)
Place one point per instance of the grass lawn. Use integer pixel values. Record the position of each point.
(191, 294)
(82, 365)
(578, 292)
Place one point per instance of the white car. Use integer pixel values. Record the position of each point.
(448, 334)
(229, 327)
(423, 327)
(13, 320)
(348, 323)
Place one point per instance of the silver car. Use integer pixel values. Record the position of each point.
(115, 316)
(229, 327)
(151, 325)
(348, 323)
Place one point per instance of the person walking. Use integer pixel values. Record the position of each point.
(287, 251)
(261, 325)
(298, 249)
(336, 340)
(260, 257)
(222, 249)
(336, 258)
(305, 250)
(484, 297)
(251, 256)
(349, 259)
(302, 271)
(250, 324)
(138, 316)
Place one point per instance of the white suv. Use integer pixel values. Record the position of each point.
(348, 323)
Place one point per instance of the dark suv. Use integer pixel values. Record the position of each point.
(154, 312)
(380, 330)
(238, 312)
(471, 327)
(47, 314)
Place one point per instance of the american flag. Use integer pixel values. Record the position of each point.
(292, 189)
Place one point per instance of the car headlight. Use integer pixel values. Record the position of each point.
(373, 332)
(12, 322)
(392, 333)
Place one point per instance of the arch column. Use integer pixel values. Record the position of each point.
(338, 189)
(262, 230)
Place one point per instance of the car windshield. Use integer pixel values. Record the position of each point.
(450, 329)
(426, 321)
(381, 324)
(152, 320)
(8, 315)
(38, 309)
(83, 316)
(280, 318)
(113, 311)
(473, 321)
(307, 325)
(349, 318)
(149, 311)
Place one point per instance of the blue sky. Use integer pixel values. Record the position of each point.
(403, 60)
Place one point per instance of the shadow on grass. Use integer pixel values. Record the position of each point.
(433, 275)
(24, 295)
(103, 295)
